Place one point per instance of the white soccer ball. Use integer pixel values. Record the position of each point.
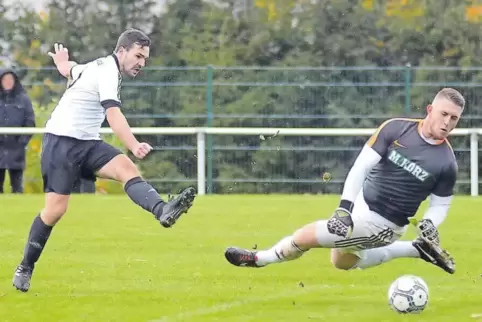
(408, 294)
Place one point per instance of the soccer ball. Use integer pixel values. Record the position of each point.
(408, 294)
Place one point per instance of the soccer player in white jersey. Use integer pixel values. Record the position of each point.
(403, 163)
(72, 147)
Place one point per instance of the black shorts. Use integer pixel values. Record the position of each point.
(66, 160)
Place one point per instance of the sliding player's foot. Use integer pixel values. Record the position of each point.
(22, 277)
(432, 253)
(177, 206)
(241, 257)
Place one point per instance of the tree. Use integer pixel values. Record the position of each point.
(347, 41)
(3, 26)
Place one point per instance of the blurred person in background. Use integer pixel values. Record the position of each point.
(15, 111)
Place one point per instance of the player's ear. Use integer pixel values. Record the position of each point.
(429, 108)
(121, 50)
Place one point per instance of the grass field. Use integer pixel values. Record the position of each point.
(107, 260)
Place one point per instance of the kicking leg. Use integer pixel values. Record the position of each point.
(122, 169)
(55, 208)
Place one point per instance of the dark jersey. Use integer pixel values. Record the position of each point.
(410, 170)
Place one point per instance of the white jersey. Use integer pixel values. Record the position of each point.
(93, 88)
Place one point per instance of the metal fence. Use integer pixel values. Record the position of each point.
(393, 90)
(304, 168)
(272, 97)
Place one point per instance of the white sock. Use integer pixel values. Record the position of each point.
(265, 257)
(377, 256)
(284, 250)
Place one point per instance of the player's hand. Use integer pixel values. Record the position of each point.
(428, 231)
(340, 223)
(60, 54)
(141, 150)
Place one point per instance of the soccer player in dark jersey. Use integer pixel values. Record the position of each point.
(403, 163)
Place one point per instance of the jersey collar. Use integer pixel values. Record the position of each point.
(116, 61)
(428, 140)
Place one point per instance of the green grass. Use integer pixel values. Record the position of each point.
(108, 260)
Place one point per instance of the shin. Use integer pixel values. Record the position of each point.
(55, 208)
(313, 235)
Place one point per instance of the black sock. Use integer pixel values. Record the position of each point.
(144, 195)
(39, 234)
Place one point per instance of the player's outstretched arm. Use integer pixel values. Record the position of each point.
(438, 209)
(340, 222)
(61, 60)
(364, 163)
(439, 203)
(373, 151)
(433, 217)
(121, 128)
(109, 96)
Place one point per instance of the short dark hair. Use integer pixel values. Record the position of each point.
(452, 95)
(130, 37)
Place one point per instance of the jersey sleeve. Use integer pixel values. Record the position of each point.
(109, 87)
(444, 186)
(364, 163)
(384, 136)
(438, 209)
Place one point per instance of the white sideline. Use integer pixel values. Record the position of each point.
(230, 305)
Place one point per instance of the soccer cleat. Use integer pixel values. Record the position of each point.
(22, 277)
(176, 206)
(241, 257)
(432, 253)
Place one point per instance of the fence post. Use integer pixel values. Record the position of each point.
(209, 110)
(474, 164)
(201, 163)
(408, 88)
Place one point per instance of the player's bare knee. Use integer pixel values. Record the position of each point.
(343, 261)
(305, 237)
(120, 168)
(54, 212)
(128, 170)
(340, 264)
(55, 207)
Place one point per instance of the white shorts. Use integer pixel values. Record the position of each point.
(370, 230)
